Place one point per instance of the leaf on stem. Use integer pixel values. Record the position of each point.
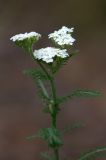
(85, 93)
(79, 93)
(73, 127)
(35, 73)
(92, 154)
(51, 135)
(39, 76)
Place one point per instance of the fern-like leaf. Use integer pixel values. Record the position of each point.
(78, 93)
(35, 73)
(85, 93)
(73, 127)
(51, 135)
(92, 154)
(39, 76)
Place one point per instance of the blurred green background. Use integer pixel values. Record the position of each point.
(20, 109)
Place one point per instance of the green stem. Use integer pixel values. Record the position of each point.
(54, 116)
(55, 107)
(43, 68)
(56, 153)
(54, 120)
(53, 91)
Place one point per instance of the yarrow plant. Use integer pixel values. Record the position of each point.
(50, 60)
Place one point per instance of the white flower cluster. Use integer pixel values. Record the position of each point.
(21, 37)
(47, 54)
(62, 36)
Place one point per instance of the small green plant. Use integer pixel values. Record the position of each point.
(50, 60)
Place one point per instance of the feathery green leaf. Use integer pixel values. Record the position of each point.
(39, 76)
(92, 153)
(78, 93)
(73, 127)
(36, 73)
(85, 93)
(51, 135)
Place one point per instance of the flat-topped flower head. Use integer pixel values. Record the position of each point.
(49, 53)
(21, 37)
(26, 40)
(63, 36)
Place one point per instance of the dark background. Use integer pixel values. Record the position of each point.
(20, 108)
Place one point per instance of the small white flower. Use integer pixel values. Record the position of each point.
(63, 36)
(21, 37)
(47, 54)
